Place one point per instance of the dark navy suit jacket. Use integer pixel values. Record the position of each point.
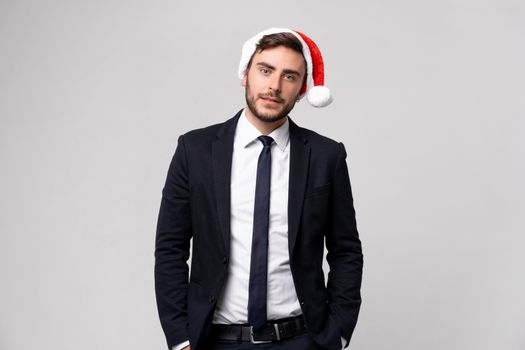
(196, 205)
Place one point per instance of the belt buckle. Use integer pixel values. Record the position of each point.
(277, 336)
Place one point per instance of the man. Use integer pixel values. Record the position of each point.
(259, 196)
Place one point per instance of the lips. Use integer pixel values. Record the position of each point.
(268, 99)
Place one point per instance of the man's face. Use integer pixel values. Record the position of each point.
(273, 83)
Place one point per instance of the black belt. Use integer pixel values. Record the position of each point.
(272, 331)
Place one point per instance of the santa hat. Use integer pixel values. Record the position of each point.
(317, 94)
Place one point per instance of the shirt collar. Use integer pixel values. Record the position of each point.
(246, 133)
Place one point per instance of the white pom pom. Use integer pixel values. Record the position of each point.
(319, 96)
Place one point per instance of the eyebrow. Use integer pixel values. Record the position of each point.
(285, 71)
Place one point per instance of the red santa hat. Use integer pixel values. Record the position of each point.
(317, 94)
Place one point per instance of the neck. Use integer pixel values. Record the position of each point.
(265, 128)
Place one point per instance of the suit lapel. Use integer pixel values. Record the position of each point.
(299, 164)
(222, 151)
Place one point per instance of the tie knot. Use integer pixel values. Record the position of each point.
(266, 140)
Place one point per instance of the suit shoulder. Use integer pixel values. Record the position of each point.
(323, 146)
(316, 137)
(209, 133)
(317, 140)
(200, 134)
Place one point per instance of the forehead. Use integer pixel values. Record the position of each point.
(281, 58)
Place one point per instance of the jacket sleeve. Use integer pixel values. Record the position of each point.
(172, 246)
(344, 256)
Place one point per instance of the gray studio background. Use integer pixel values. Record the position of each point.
(429, 103)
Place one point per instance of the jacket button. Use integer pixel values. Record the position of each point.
(224, 260)
(212, 298)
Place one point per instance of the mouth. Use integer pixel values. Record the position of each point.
(271, 100)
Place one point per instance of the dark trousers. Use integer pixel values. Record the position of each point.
(301, 342)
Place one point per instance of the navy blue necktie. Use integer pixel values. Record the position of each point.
(259, 259)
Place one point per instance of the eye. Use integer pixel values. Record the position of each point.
(290, 77)
(265, 71)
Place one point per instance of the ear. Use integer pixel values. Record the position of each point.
(243, 80)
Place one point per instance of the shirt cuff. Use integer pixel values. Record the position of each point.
(181, 345)
(344, 343)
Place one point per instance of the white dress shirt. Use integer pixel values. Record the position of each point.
(232, 306)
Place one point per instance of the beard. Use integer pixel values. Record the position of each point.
(268, 117)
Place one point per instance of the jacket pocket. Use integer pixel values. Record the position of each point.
(318, 190)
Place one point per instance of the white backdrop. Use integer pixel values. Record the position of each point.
(429, 103)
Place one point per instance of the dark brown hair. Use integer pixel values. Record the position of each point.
(278, 39)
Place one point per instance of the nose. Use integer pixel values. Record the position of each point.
(275, 84)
